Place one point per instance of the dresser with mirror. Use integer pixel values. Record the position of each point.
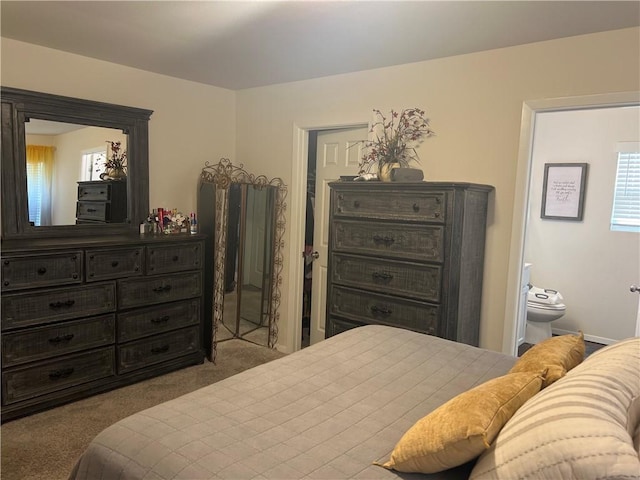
(87, 306)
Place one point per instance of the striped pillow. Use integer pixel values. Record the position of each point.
(583, 426)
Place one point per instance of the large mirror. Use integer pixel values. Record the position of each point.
(244, 215)
(53, 145)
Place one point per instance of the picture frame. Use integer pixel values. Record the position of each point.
(563, 191)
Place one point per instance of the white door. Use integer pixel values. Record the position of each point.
(339, 152)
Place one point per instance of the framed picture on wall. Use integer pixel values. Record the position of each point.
(563, 191)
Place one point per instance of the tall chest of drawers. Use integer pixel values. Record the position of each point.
(90, 315)
(408, 255)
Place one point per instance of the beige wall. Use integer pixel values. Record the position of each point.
(591, 266)
(475, 104)
(474, 101)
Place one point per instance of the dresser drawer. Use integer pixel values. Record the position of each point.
(173, 258)
(97, 191)
(410, 242)
(366, 307)
(137, 292)
(388, 276)
(33, 271)
(159, 348)
(97, 211)
(411, 206)
(106, 264)
(63, 338)
(24, 383)
(143, 322)
(52, 305)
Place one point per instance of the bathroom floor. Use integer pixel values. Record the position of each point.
(590, 347)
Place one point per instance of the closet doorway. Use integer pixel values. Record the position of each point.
(332, 153)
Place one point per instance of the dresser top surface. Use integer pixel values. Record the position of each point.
(53, 244)
(376, 185)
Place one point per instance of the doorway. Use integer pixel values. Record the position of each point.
(522, 209)
(331, 154)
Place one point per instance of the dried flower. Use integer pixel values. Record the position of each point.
(118, 159)
(396, 138)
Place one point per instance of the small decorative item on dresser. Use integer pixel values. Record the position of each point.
(116, 164)
(395, 141)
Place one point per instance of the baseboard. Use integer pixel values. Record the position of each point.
(589, 338)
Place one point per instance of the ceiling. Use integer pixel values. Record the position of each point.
(243, 44)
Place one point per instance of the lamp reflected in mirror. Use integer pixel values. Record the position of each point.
(244, 215)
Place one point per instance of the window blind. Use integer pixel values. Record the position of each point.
(35, 191)
(626, 200)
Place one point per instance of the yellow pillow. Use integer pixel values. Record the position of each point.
(464, 427)
(556, 354)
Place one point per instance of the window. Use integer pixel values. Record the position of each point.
(40, 164)
(93, 163)
(626, 198)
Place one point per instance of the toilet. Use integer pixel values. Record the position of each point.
(544, 305)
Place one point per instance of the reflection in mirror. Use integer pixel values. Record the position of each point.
(59, 155)
(247, 223)
(22, 110)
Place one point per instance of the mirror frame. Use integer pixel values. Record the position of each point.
(17, 107)
(222, 175)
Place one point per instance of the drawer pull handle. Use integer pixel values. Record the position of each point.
(416, 207)
(436, 214)
(356, 204)
(62, 373)
(175, 258)
(42, 271)
(377, 239)
(382, 276)
(381, 310)
(114, 264)
(157, 350)
(160, 319)
(63, 338)
(162, 289)
(91, 210)
(67, 304)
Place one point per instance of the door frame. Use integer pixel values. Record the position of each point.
(298, 193)
(530, 109)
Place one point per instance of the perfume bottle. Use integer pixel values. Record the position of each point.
(193, 224)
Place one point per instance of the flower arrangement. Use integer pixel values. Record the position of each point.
(118, 159)
(396, 139)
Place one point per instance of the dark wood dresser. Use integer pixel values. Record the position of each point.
(102, 201)
(408, 255)
(91, 314)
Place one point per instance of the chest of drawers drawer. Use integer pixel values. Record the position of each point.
(409, 206)
(407, 279)
(159, 348)
(56, 304)
(59, 339)
(136, 292)
(106, 264)
(368, 307)
(173, 258)
(96, 211)
(97, 191)
(404, 241)
(143, 322)
(34, 271)
(46, 377)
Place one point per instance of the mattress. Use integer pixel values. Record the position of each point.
(327, 411)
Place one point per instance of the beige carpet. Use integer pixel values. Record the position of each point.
(45, 446)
